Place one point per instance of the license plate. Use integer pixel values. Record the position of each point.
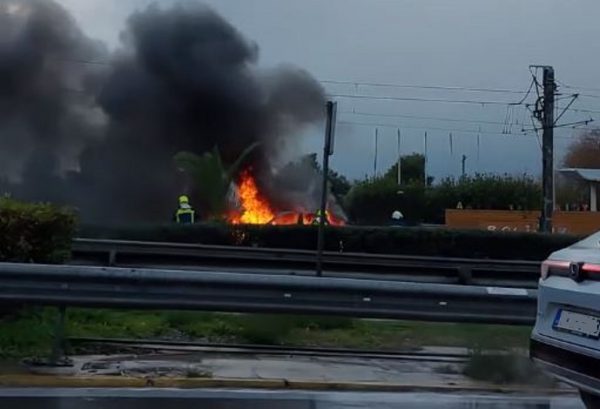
(577, 323)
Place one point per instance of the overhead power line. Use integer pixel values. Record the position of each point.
(562, 84)
(376, 84)
(527, 132)
(589, 111)
(430, 87)
(557, 118)
(572, 125)
(560, 97)
(590, 96)
(415, 99)
(438, 100)
(353, 83)
(531, 85)
(390, 125)
(433, 118)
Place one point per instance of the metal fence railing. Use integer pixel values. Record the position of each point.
(483, 272)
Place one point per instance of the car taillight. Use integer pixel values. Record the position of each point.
(549, 265)
(590, 268)
(545, 269)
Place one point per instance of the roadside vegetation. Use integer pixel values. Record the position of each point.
(421, 241)
(30, 331)
(42, 233)
(35, 232)
(510, 367)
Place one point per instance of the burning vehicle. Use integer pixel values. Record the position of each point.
(251, 206)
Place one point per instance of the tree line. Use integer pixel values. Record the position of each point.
(373, 199)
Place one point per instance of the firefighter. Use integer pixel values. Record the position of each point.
(185, 213)
(318, 215)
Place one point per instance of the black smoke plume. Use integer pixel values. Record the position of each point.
(100, 131)
(47, 109)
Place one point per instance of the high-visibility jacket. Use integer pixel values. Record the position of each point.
(185, 215)
(317, 219)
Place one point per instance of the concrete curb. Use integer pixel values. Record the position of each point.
(231, 383)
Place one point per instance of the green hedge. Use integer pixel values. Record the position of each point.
(39, 233)
(416, 241)
(373, 201)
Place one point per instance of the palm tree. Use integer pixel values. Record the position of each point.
(211, 176)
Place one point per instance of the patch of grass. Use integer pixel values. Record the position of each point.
(279, 329)
(115, 324)
(314, 323)
(265, 329)
(473, 336)
(404, 334)
(30, 332)
(27, 333)
(203, 325)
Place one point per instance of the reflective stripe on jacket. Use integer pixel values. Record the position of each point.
(185, 216)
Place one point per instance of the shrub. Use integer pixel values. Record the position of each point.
(492, 192)
(372, 201)
(209, 233)
(39, 233)
(505, 369)
(383, 240)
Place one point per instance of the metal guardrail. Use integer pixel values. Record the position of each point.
(520, 274)
(86, 286)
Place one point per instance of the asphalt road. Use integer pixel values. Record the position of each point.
(207, 399)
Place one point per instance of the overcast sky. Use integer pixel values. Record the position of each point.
(458, 43)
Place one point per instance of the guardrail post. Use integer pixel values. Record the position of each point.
(112, 258)
(465, 275)
(58, 356)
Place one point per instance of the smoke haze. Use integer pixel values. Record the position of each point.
(81, 126)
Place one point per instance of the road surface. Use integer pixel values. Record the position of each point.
(215, 399)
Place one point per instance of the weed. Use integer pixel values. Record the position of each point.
(197, 373)
(504, 369)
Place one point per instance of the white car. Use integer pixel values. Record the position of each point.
(566, 337)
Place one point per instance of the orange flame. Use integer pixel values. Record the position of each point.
(255, 208)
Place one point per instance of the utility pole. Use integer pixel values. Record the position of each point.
(547, 119)
(327, 152)
(464, 162)
(425, 159)
(544, 113)
(376, 153)
(478, 145)
(399, 158)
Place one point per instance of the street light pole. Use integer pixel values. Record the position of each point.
(327, 152)
(399, 158)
